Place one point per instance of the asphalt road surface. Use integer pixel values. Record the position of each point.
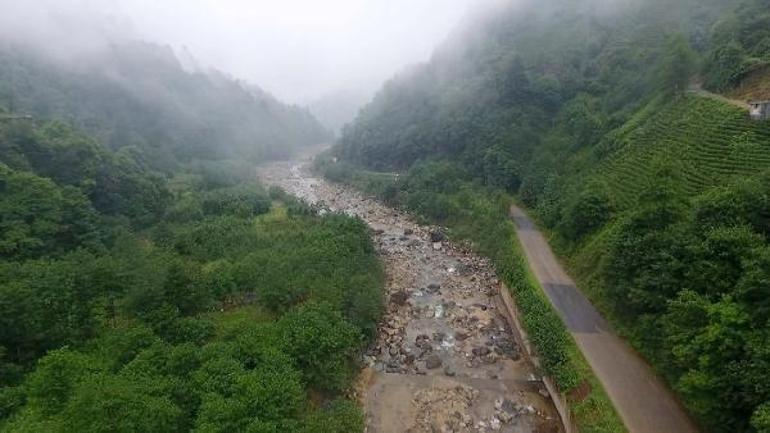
(643, 401)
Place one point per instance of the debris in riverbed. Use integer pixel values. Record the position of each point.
(441, 328)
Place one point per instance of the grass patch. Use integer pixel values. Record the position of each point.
(278, 213)
(228, 321)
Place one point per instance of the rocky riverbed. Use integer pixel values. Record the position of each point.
(445, 359)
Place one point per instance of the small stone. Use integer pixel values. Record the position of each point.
(449, 372)
(508, 406)
(399, 298)
(433, 362)
(462, 269)
(505, 417)
(461, 336)
(438, 311)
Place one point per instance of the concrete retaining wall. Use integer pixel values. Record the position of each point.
(558, 398)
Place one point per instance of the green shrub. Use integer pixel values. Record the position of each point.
(243, 200)
(323, 344)
(589, 211)
(760, 420)
(339, 416)
(115, 404)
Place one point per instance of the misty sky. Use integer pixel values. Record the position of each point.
(298, 50)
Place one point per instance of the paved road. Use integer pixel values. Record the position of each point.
(641, 398)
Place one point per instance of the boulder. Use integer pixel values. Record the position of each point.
(436, 235)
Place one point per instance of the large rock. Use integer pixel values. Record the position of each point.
(437, 235)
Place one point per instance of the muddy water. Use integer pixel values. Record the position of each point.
(445, 359)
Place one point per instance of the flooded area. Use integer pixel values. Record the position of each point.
(446, 359)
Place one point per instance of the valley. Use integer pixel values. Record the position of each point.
(525, 217)
(445, 358)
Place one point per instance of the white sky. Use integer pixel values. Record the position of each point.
(297, 49)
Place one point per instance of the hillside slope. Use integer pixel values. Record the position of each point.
(660, 200)
(152, 285)
(710, 143)
(138, 94)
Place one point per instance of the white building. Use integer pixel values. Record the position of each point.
(759, 110)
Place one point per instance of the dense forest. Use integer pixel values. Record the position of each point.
(147, 282)
(657, 197)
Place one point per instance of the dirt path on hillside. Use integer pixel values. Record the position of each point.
(446, 359)
(641, 398)
(697, 89)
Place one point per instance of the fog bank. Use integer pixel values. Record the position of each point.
(299, 50)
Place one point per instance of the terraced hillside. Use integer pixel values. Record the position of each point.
(707, 141)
